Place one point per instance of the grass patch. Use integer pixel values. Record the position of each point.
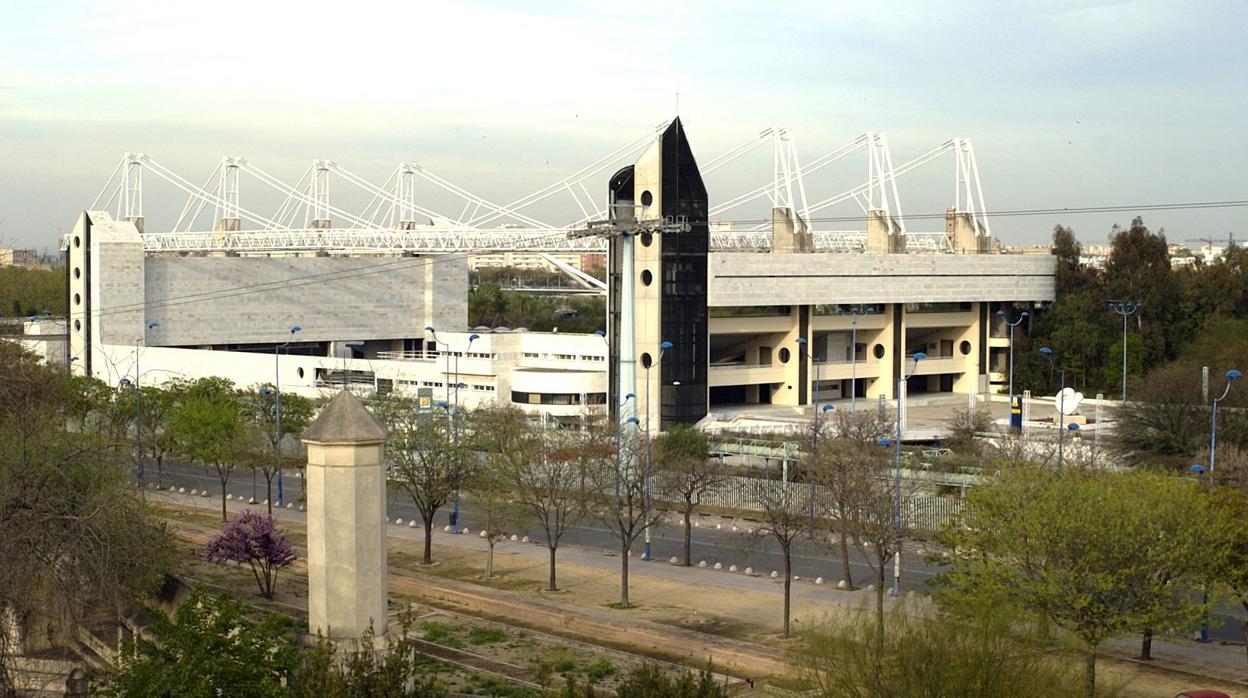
(599, 670)
(440, 634)
(486, 636)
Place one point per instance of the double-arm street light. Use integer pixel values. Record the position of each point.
(854, 312)
(901, 396)
(1231, 375)
(1021, 317)
(1125, 309)
(453, 408)
(277, 408)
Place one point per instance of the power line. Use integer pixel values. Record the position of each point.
(381, 267)
(1010, 213)
(303, 280)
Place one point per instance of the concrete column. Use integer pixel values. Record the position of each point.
(346, 499)
(968, 380)
(967, 237)
(791, 391)
(883, 235)
(789, 232)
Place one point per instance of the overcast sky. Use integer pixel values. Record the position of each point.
(1069, 104)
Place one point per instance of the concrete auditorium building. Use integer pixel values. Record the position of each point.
(789, 325)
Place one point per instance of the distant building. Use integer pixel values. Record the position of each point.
(10, 257)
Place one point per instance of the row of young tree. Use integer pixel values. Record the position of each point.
(207, 421)
(522, 475)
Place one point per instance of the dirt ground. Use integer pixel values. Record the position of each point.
(722, 606)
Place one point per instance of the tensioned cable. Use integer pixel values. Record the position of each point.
(456, 256)
(303, 280)
(1181, 206)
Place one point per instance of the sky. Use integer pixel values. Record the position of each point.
(1068, 104)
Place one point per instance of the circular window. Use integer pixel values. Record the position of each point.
(77, 325)
(77, 241)
(77, 273)
(647, 198)
(784, 355)
(77, 299)
(646, 277)
(646, 360)
(878, 351)
(646, 239)
(965, 347)
(299, 371)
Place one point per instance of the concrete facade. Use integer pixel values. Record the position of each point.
(346, 502)
(245, 300)
(738, 279)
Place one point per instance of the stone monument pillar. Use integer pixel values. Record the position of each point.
(346, 500)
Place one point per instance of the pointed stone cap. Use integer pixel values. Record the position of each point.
(345, 420)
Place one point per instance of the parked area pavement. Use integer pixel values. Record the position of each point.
(725, 604)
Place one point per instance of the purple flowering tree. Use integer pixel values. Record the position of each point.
(254, 538)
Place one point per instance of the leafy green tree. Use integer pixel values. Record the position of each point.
(685, 469)
(207, 423)
(426, 457)
(208, 649)
(1138, 269)
(1230, 528)
(1083, 549)
(260, 411)
(25, 292)
(73, 537)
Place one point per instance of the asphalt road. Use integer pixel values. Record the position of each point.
(740, 548)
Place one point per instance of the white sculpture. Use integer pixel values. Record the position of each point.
(1067, 401)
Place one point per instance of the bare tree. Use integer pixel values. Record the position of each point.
(684, 469)
(844, 445)
(621, 488)
(880, 526)
(786, 508)
(549, 480)
(425, 458)
(495, 432)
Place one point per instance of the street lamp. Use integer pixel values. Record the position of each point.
(277, 409)
(1061, 403)
(1125, 309)
(1022, 316)
(854, 312)
(138, 409)
(663, 346)
(1231, 375)
(901, 396)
